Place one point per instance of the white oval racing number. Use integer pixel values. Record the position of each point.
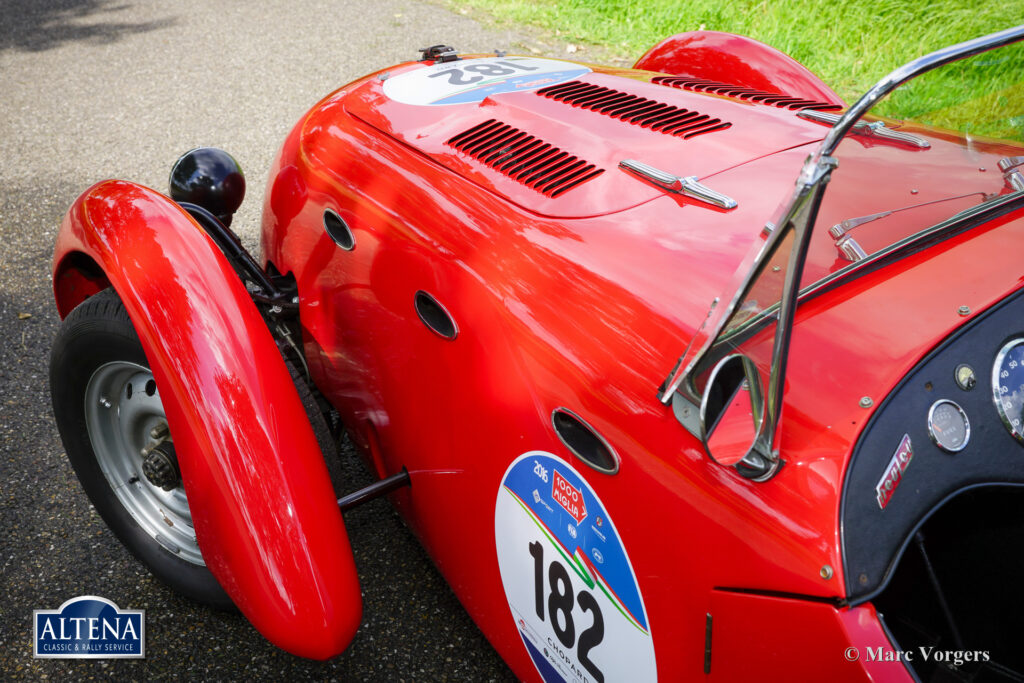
(568, 581)
(457, 76)
(467, 81)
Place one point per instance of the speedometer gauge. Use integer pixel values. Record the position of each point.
(1008, 386)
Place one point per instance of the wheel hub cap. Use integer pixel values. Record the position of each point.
(161, 467)
(128, 431)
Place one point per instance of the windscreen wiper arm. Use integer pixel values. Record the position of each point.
(848, 247)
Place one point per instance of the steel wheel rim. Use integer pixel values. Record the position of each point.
(122, 406)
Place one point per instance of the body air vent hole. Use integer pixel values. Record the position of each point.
(339, 231)
(583, 441)
(743, 93)
(639, 111)
(434, 316)
(524, 157)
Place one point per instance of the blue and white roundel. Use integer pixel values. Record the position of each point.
(471, 80)
(568, 581)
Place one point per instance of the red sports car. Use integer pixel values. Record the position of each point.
(654, 410)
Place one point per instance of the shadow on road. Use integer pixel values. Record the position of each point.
(43, 25)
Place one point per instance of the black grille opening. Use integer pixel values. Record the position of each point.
(524, 157)
(743, 93)
(638, 111)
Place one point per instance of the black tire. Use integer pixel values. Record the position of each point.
(98, 333)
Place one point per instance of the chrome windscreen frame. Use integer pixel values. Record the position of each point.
(795, 221)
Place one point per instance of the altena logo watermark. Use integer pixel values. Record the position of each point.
(89, 627)
(921, 654)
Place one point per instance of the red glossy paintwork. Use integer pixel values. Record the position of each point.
(583, 301)
(590, 313)
(808, 639)
(755, 131)
(875, 176)
(736, 60)
(262, 504)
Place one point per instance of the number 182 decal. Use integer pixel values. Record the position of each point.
(466, 81)
(569, 583)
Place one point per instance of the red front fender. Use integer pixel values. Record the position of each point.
(736, 60)
(262, 504)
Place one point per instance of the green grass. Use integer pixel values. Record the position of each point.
(850, 44)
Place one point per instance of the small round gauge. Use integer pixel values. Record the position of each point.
(1008, 386)
(948, 426)
(965, 377)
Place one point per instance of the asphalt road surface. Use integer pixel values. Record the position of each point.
(94, 89)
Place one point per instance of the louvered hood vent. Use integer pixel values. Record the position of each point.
(524, 158)
(639, 111)
(742, 93)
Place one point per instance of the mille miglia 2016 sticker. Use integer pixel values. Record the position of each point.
(568, 581)
(471, 80)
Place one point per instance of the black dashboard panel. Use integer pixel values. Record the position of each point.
(911, 489)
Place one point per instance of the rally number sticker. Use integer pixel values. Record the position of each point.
(568, 581)
(471, 80)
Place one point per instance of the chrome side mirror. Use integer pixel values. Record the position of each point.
(731, 410)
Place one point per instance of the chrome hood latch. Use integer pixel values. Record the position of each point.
(688, 185)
